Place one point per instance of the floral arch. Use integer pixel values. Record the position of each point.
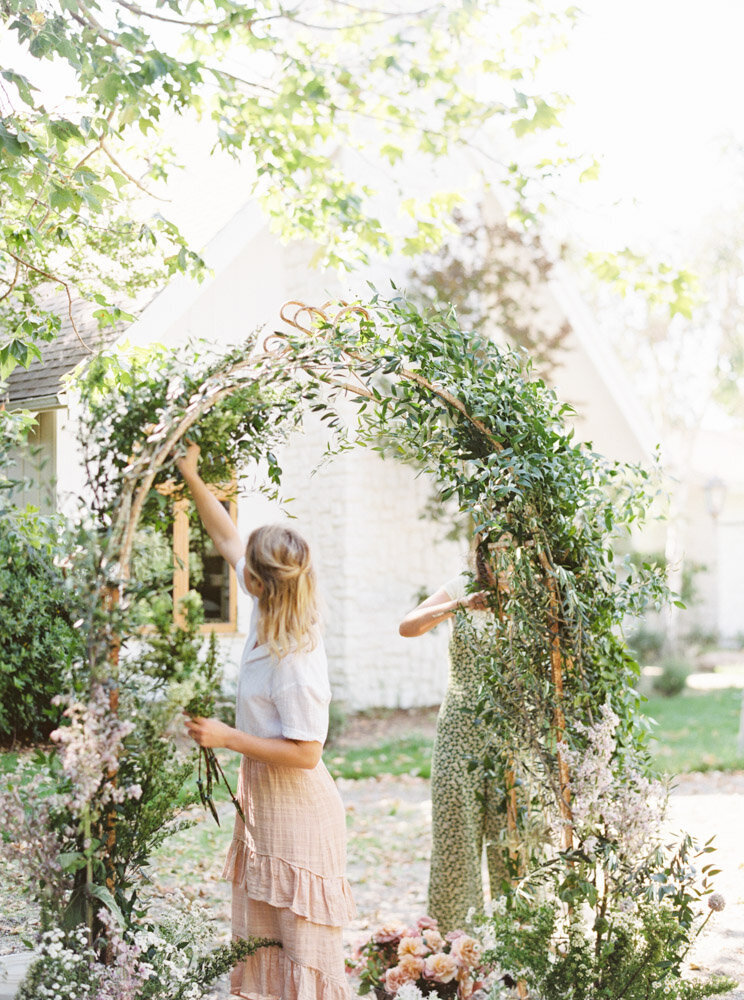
(558, 681)
(471, 415)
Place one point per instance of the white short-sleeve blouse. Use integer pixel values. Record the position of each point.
(286, 697)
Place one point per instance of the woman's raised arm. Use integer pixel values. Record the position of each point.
(438, 608)
(216, 520)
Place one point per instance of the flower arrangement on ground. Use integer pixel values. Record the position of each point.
(169, 959)
(398, 960)
(614, 917)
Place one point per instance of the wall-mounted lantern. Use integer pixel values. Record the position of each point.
(715, 496)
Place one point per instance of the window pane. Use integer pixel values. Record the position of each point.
(209, 574)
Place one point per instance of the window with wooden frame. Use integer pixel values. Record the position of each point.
(198, 566)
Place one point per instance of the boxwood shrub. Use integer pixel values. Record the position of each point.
(39, 643)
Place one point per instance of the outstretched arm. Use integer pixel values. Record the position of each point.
(438, 608)
(215, 518)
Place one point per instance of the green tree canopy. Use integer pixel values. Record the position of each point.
(295, 90)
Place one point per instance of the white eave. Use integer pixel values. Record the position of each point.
(181, 292)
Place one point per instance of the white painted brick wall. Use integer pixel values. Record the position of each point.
(373, 553)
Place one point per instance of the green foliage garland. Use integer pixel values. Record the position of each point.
(492, 436)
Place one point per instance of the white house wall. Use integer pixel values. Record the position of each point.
(253, 276)
(590, 377)
(373, 554)
(729, 550)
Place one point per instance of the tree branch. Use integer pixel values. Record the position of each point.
(58, 281)
(12, 284)
(128, 176)
(239, 79)
(92, 25)
(387, 14)
(141, 12)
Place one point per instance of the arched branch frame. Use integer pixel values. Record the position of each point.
(315, 350)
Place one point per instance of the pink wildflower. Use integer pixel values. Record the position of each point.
(89, 750)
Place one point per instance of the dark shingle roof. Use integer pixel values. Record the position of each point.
(41, 383)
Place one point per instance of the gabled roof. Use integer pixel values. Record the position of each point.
(160, 316)
(39, 386)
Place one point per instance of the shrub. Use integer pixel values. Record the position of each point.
(39, 643)
(337, 720)
(701, 640)
(647, 644)
(672, 679)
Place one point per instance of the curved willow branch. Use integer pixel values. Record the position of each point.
(406, 373)
(143, 470)
(559, 718)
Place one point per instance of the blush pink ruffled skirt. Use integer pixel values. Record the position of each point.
(287, 867)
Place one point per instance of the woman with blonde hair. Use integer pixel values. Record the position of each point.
(287, 860)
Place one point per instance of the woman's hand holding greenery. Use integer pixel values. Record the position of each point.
(199, 711)
(477, 602)
(207, 732)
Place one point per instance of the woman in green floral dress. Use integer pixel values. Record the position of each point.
(468, 806)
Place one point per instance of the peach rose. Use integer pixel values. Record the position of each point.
(466, 951)
(395, 978)
(389, 933)
(412, 965)
(433, 939)
(441, 967)
(411, 946)
(425, 922)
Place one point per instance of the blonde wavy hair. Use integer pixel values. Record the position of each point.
(278, 558)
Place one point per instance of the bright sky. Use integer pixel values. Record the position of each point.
(657, 88)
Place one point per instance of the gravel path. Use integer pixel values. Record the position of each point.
(390, 879)
(389, 842)
(712, 805)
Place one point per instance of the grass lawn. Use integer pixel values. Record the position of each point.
(696, 731)
(407, 755)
